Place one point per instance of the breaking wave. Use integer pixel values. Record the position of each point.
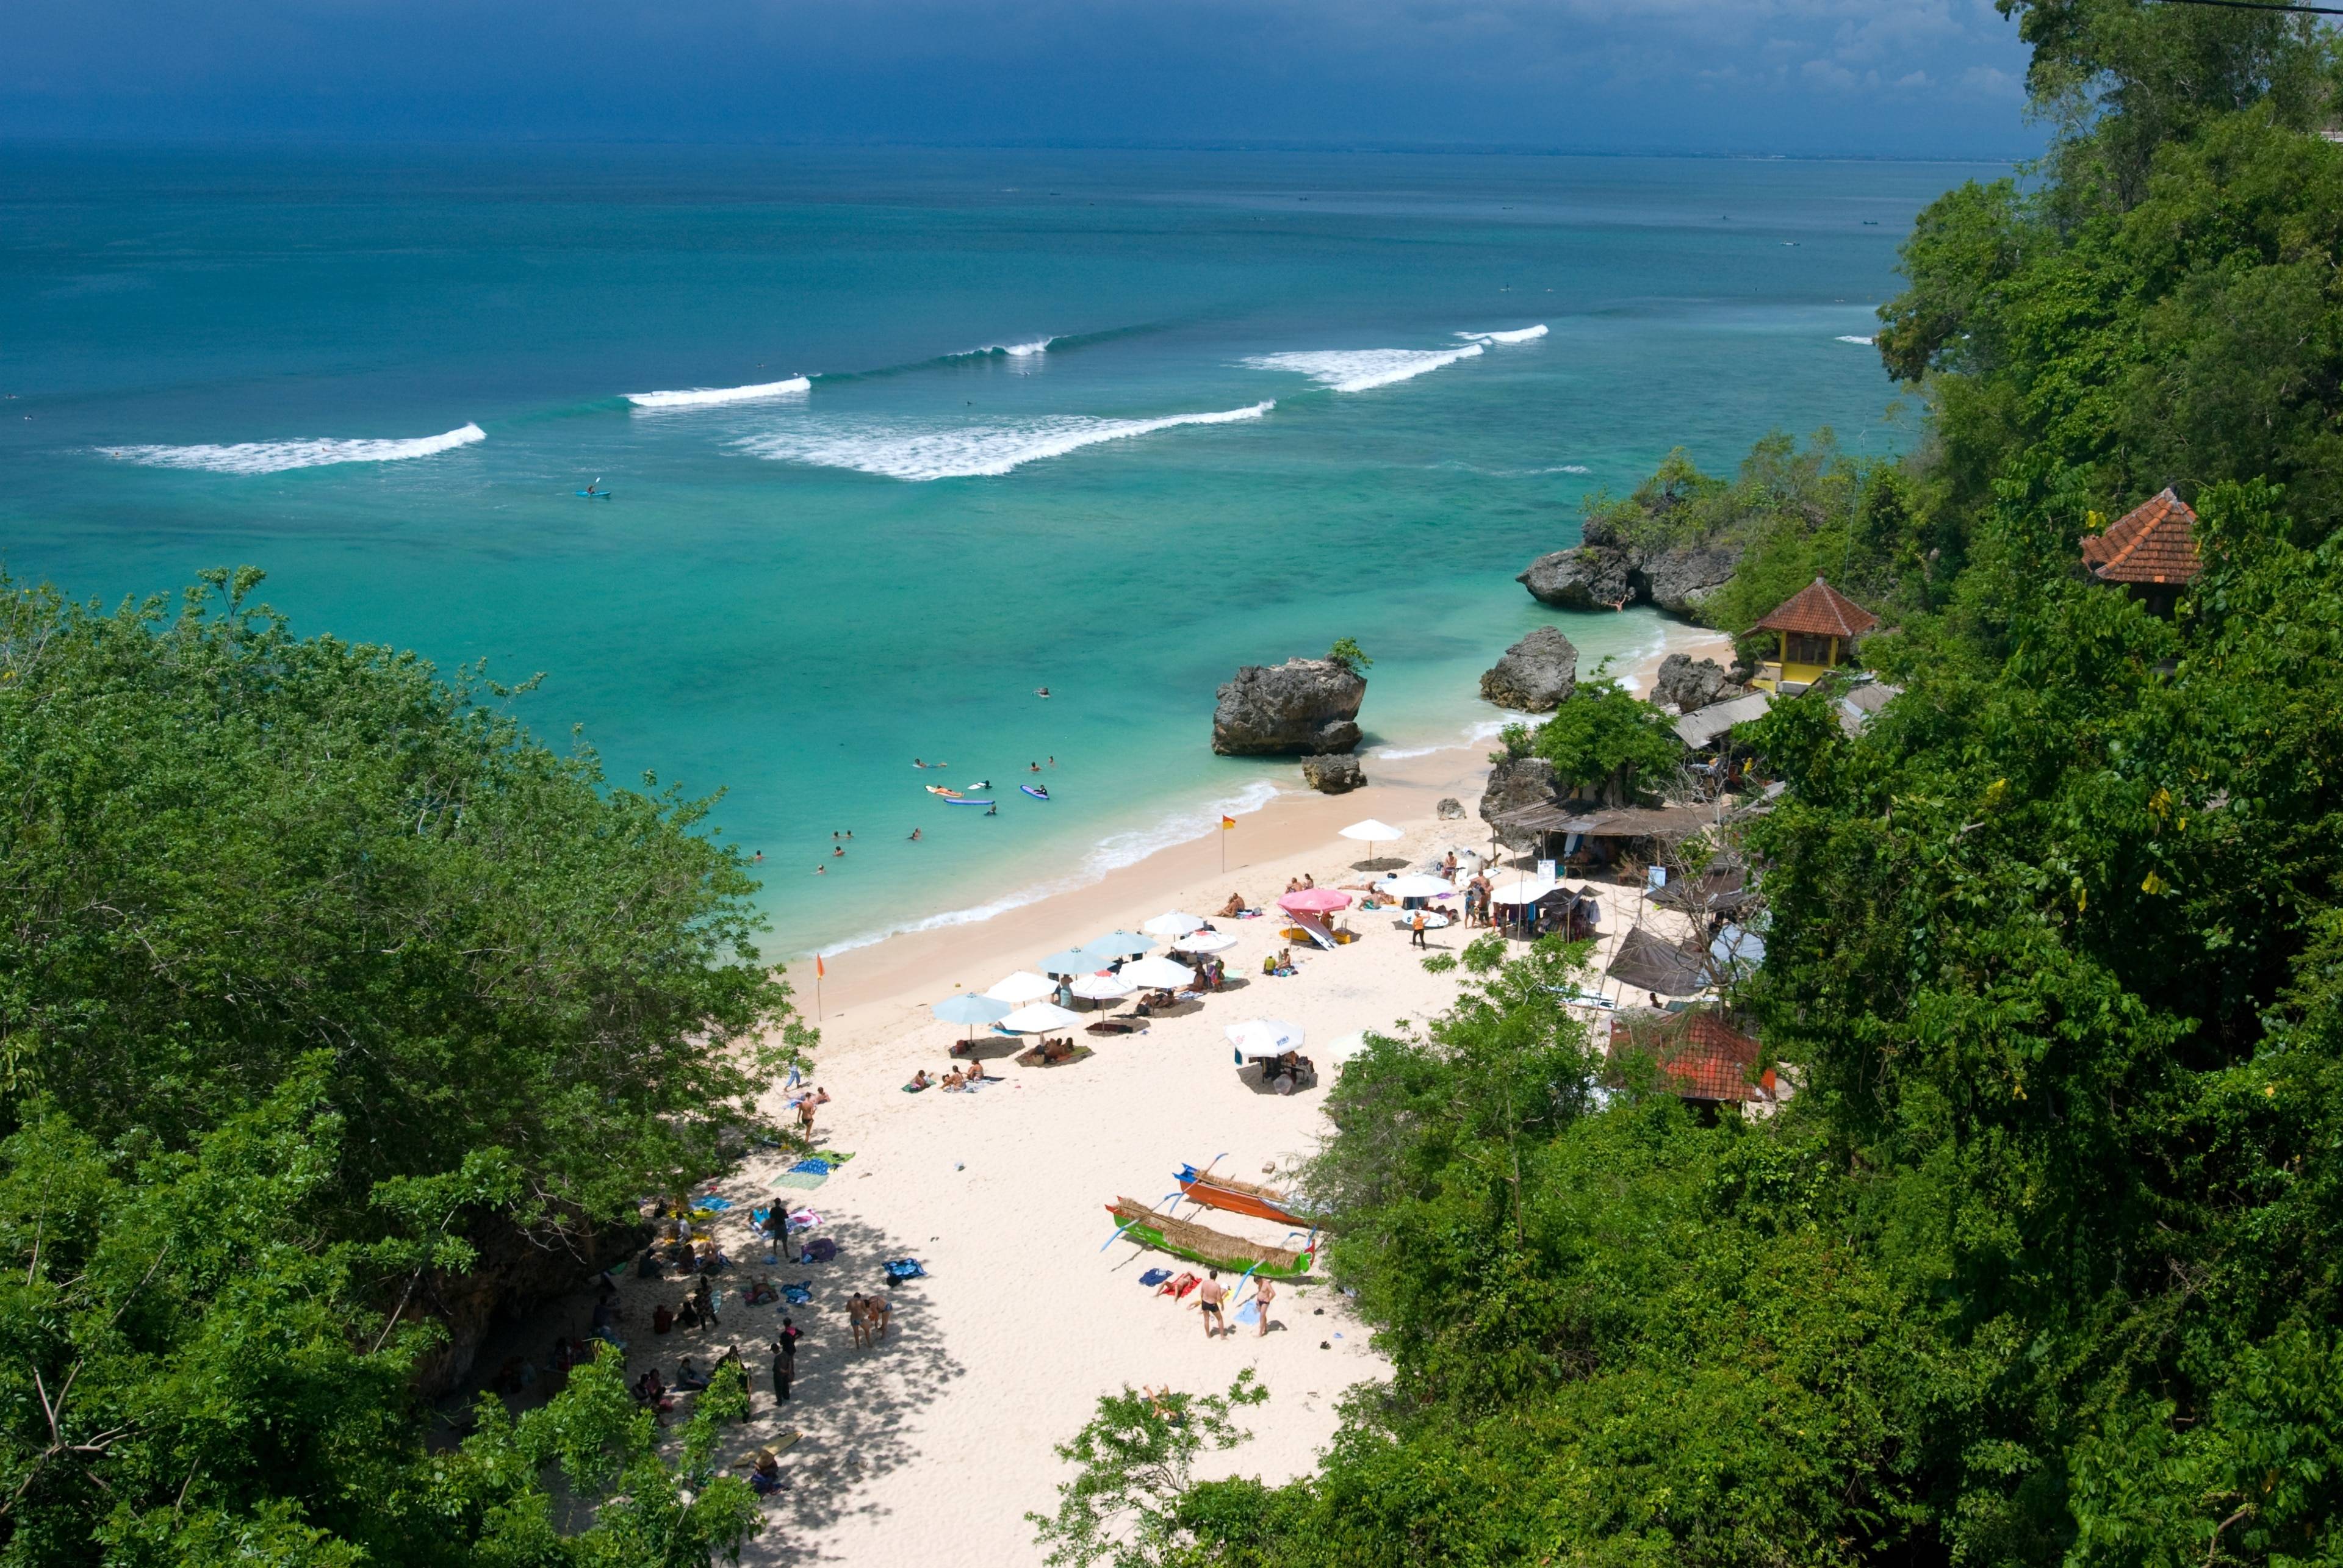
(898, 452)
(1851, 338)
(1362, 370)
(277, 456)
(1520, 334)
(1005, 350)
(713, 396)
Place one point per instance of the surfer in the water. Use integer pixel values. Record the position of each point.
(1041, 691)
(915, 834)
(992, 811)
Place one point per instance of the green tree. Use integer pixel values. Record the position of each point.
(1347, 653)
(1137, 1458)
(1606, 739)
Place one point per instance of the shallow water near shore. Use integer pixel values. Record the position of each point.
(1110, 422)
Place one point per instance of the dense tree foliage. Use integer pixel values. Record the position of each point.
(1606, 740)
(2043, 1262)
(315, 970)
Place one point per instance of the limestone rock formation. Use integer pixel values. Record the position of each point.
(1305, 706)
(1336, 774)
(1512, 784)
(1604, 574)
(1689, 685)
(1449, 809)
(1536, 675)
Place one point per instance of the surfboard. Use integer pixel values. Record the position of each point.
(964, 800)
(1035, 790)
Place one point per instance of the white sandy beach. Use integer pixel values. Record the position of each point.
(935, 1446)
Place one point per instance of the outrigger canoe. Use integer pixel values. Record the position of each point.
(1181, 1239)
(1226, 1192)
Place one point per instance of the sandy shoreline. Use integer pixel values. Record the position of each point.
(936, 1443)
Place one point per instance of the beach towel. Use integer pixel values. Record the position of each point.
(814, 1165)
(711, 1201)
(915, 1089)
(1178, 1289)
(798, 1295)
(801, 1181)
(804, 1220)
(821, 1250)
(906, 1268)
(1154, 1277)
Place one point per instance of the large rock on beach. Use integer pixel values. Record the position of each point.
(1690, 686)
(1305, 706)
(1449, 809)
(1335, 774)
(1604, 574)
(1514, 783)
(1536, 675)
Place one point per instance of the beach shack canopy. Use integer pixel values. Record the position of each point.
(1719, 889)
(1819, 610)
(1647, 963)
(1699, 1055)
(1613, 822)
(2155, 542)
(1528, 891)
(1704, 727)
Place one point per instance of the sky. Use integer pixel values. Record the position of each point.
(1900, 78)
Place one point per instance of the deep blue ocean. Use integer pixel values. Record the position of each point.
(1108, 422)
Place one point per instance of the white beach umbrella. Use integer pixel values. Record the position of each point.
(1416, 885)
(1102, 987)
(1022, 987)
(1168, 974)
(1118, 945)
(1039, 1019)
(1172, 923)
(1205, 942)
(1072, 961)
(1528, 891)
(1343, 1050)
(1265, 1036)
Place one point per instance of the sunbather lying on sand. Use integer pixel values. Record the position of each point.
(919, 1081)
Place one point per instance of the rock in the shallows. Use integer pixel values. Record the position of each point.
(1449, 809)
(1536, 675)
(1334, 774)
(1306, 706)
(1690, 686)
(1586, 576)
(1512, 784)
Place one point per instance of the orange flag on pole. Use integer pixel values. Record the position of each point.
(817, 969)
(1227, 822)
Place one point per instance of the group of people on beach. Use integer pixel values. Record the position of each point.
(1212, 1298)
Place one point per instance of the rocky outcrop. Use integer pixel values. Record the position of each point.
(1304, 706)
(1688, 685)
(1512, 784)
(1449, 809)
(1536, 675)
(1336, 774)
(1603, 574)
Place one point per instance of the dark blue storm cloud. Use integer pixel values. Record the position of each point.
(1885, 77)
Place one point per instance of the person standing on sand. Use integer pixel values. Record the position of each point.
(1263, 1292)
(785, 1371)
(1415, 931)
(1209, 1297)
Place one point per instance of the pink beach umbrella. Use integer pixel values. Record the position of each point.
(1314, 902)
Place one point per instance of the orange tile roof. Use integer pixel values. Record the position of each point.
(1699, 1055)
(2155, 542)
(1821, 610)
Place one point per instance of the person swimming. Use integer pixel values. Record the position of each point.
(915, 834)
(1041, 691)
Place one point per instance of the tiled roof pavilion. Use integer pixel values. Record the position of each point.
(1699, 1056)
(2153, 543)
(1819, 610)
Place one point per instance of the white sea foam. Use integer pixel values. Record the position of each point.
(1519, 335)
(276, 456)
(967, 451)
(1573, 469)
(1012, 350)
(1850, 338)
(1362, 370)
(1110, 854)
(711, 396)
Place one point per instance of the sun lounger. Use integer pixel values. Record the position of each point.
(1313, 927)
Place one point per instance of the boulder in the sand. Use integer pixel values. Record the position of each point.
(1688, 685)
(1305, 706)
(1449, 809)
(1514, 783)
(1536, 675)
(1334, 774)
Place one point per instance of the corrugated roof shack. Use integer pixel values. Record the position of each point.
(1697, 1056)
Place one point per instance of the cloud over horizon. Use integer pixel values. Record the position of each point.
(1886, 77)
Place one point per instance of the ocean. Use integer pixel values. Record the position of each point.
(895, 439)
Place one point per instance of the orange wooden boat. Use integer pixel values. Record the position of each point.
(1236, 1197)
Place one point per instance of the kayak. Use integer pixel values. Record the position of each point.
(596, 495)
(1035, 790)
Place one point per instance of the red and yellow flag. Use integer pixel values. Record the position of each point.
(1227, 823)
(817, 969)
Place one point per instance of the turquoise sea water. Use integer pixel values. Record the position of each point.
(792, 596)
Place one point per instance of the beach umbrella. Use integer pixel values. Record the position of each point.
(1102, 987)
(1072, 961)
(1314, 902)
(1343, 1050)
(1205, 942)
(1168, 974)
(1118, 945)
(1039, 1019)
(1528, 891)
(1416, 885)
(1174, 923)
(1265, 1036)
(1372, 832)
(1020, 988)
(972, 1007)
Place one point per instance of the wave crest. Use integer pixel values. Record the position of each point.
(1851, 338)
(713, 396)
(1519, 335)
(277, 456)
(1362, 370)
(897, 452)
